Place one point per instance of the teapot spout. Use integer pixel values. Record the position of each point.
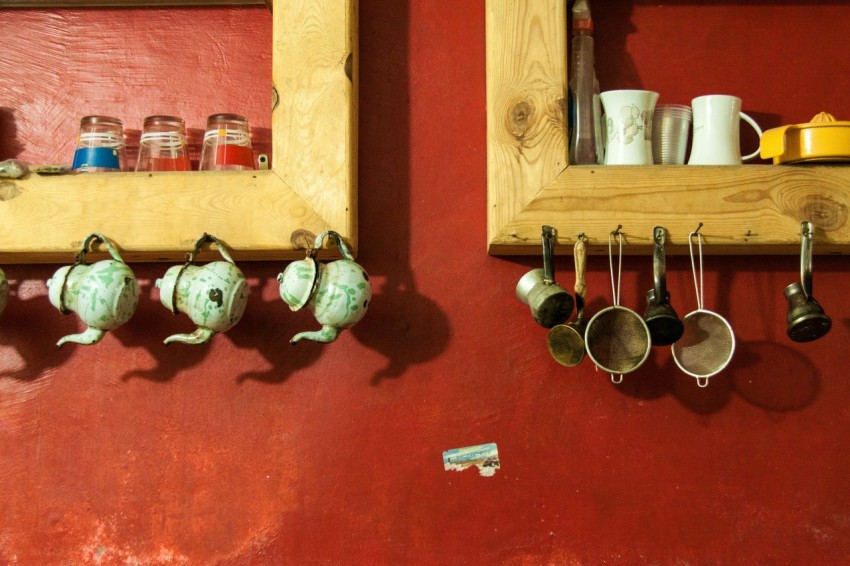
(88, 337)
(325, 335)
(199, 336)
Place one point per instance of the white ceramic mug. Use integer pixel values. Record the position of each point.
(628, 120)
(717, 138)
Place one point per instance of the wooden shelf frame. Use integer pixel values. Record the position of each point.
(260, 215)
(748, 209)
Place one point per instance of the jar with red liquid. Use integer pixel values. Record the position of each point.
(227, 144)
(163, 146)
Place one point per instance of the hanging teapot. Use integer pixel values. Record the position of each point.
(337, 293)
(104, 294)
(213, 295)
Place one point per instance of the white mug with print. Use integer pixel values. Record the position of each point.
(628, 125)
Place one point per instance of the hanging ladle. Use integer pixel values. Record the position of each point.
(566, 341)
(806, 319)
(664, 324)
(550, 303)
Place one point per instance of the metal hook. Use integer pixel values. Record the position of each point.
(806, 258)
(615, 287)
(698, 280)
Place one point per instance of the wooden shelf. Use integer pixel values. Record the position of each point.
(748, 209)
(258, 214)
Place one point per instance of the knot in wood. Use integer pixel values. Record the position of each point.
(519, 119)
(825, 214)
(8, 190)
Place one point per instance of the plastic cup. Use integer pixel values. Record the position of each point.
(162, 146)
(227, 144)
(671, 126)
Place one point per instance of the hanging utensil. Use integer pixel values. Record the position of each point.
(664, 324)
(550, 303)
(566, 341)
(708, 343)
(806, 319)
(617, 338)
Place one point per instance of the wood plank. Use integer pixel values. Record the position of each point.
(152, 216)
(748, 209)
(315, 122)
(159, 216)
(526, 103)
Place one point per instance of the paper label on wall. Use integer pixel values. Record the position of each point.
(484, 456)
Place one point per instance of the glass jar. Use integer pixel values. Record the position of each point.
(227, 144)
(100, 145)
(163, 146)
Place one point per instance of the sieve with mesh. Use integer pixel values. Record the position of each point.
(708, 343)
(566, 341)
(617, 338)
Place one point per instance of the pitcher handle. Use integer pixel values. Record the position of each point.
(756, 127)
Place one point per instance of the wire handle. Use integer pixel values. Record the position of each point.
(698, 286)
(615, 288)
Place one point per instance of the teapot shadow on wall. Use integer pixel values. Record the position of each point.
(264, 328)
(23, 318)
(149, 325)
(407, 327)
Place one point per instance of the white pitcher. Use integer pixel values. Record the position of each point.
(717, 139)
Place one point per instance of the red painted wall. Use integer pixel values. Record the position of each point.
(249, 451)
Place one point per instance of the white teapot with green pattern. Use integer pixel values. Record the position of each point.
(213, 295)
(103, 294)
(338, 293)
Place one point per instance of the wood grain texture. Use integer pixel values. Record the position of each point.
(526, 103)
(311, 187)
(315, 122)
(746, 209)
(157, 216)
(751, 209)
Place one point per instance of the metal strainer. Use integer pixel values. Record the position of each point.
(617, 338)
(707, 345)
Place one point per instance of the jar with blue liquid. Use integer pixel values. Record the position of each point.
(100, 145)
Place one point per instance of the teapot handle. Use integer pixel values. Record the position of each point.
(94, 236)
(343, 248)
(222, 249)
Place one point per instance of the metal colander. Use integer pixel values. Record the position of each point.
(617, 338)
(708, 343)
